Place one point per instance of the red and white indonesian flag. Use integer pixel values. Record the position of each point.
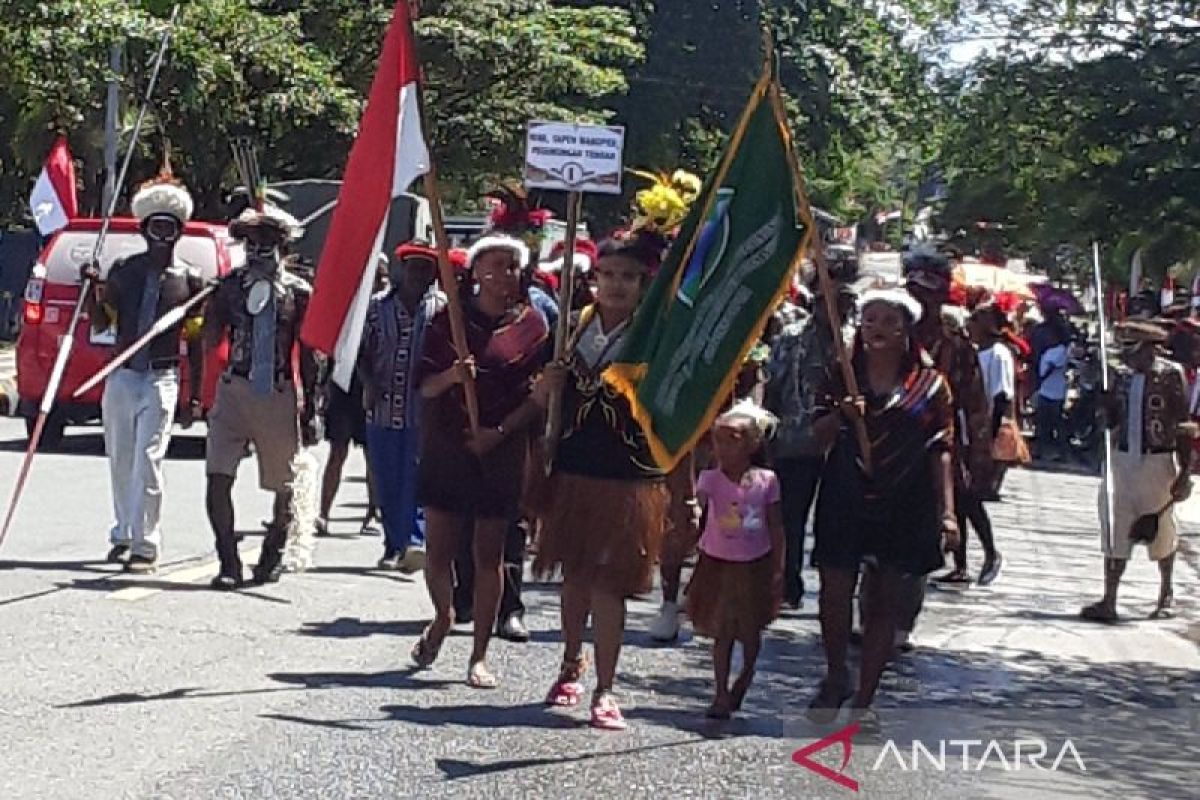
(52, 201)
(388, 155)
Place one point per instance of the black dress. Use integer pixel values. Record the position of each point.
(891, 518)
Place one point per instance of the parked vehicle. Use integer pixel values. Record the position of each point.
(50, 297)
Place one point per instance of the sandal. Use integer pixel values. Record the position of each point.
(425, 652)
(606, 714)
(823, 709)
(480, 677)
(953, 576)
(1098, 612)
(567, 690)
(1165, 608)
(867, 720)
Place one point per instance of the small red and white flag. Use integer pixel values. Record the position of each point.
(388, 155)
(52, 201)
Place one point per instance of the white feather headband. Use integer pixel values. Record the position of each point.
(497, 241)
(763, 421)
(896, 298)
(163, 198)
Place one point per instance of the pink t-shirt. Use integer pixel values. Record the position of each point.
(736, 528)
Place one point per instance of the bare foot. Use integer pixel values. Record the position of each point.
(720, 708)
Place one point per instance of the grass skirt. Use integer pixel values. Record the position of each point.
(601, 532)
(732, 599)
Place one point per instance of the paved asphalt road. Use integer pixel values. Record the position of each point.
(115, 687)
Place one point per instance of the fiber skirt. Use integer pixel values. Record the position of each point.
(601, 532)
(732, 599)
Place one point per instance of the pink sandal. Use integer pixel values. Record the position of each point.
(606, 714)
(567, 690)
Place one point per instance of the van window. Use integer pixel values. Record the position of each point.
(72, 249)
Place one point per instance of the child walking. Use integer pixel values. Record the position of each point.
(737, 587)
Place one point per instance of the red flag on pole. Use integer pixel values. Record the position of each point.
(388, 155)
(52, 200)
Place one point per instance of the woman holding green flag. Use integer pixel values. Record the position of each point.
(604, 510)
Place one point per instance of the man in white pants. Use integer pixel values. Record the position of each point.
(140, 398)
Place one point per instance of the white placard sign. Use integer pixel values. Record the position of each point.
(574, 158)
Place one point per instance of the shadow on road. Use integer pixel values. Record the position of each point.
(184, 447)
(390, 679)
(93, 565)
(296, 682)
(355, 628)
(454, 769)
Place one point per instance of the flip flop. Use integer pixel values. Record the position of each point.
(424, 652)
(1097, 612)
(954, 576)
(1164, 610)
(480, 677)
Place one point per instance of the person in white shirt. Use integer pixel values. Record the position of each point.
(1052, 394)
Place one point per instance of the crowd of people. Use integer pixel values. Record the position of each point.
(464, 481)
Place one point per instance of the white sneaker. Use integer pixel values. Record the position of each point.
(414, 559)
(665, 627)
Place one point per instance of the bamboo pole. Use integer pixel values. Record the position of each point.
(562, 338)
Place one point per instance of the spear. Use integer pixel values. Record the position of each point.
(68, 341)
(1106, 526)
(165, 323)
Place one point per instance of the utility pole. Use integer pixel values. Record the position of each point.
(111, 121)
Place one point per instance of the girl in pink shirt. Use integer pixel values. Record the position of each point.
(738, 583)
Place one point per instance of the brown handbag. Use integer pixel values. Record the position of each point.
(1009, 446)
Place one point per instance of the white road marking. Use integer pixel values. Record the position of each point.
(182, 577)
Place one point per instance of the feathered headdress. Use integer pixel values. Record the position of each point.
(511, 214)
(271, 216)
(665, 204)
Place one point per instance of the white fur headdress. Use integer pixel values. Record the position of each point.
(271, 215)
(896, 298)
(583, 264)
(499, 241)
(763, 421)
(163, 196)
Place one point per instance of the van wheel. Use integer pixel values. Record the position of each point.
(52, 433)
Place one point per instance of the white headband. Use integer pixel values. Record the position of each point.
(896, 298)
(498, 242)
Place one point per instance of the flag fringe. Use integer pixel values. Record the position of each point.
(625, 378)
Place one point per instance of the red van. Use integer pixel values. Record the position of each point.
(50, 298)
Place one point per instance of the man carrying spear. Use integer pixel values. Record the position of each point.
(140, 398)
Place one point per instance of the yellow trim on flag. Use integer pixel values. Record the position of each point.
(624, 378)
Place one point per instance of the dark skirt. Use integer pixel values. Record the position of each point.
(732, 599)
(601, 532)
(900, 532)
(452, 479)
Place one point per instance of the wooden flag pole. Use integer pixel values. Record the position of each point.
(828, 292)
(458, 328)
(562, 338)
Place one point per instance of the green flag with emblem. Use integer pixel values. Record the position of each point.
(723, 277)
